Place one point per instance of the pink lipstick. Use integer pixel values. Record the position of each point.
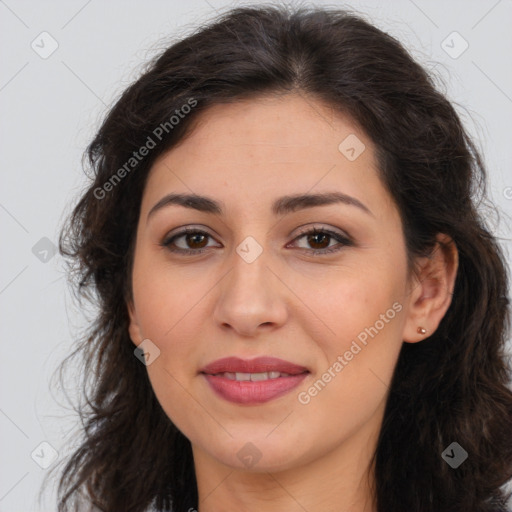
(253, 381)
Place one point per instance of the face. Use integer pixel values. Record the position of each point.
(322, 284)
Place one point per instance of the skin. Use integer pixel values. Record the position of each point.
(290, 304)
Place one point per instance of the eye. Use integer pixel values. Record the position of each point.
(196, 241)
(321, 238)
(194, 237)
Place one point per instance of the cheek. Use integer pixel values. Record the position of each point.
(173, 394)
(166, 297)
(359, 355)
(360, 338)
(167, 319)
(346, 305)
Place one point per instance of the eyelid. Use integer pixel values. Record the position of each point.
(187, 229)
(179, 232)
(343, 239)
(308, 228)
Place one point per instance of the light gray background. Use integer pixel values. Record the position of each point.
(50, 108)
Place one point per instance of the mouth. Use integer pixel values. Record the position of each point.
(253, 381)
(259, 365)
(253, 377)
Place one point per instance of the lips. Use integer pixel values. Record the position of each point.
(253, 381)
(258, 365)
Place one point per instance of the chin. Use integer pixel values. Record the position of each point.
(257, 454)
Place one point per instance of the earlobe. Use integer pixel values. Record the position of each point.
(432, 293)
(133, 327)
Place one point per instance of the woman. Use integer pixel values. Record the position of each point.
(300, 307)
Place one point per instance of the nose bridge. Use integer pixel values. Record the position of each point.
(251, 250)
(248, 295)
(249, 262)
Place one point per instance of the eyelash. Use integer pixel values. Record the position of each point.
(343, 240)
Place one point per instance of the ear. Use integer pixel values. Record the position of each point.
(133, 328)
(431, 290)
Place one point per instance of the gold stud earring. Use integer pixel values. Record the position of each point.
(422, 330)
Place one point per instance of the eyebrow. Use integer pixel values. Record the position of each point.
(281, 206)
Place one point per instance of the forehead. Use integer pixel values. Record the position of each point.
(273, 125)
(241, 151)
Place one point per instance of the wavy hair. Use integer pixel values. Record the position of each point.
(454, 386)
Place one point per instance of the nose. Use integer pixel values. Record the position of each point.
(251, 297)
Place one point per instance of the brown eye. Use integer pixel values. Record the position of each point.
(194, 241)
(319, 241)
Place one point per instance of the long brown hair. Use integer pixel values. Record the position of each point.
(454, 386)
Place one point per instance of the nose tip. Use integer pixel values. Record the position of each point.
(248, 299)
